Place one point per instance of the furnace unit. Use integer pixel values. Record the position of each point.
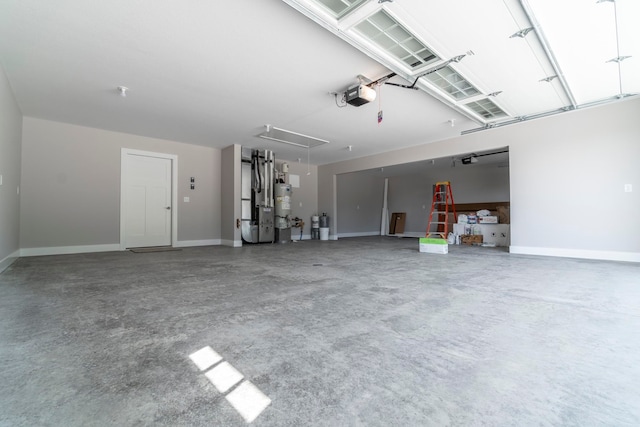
(258, 208)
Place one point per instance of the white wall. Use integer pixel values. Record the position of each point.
(10, 152)
(70, 193)
(567, 174)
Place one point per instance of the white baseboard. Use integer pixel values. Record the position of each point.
(64, 250)
(361, 234)
(232, 243)
(409, 234)
(8, 260)
(187, 243)
(304, 237)
(576, 253)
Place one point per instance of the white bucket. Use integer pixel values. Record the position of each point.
(315, 221)
(324, 233)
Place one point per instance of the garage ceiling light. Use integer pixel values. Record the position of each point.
(292, 138)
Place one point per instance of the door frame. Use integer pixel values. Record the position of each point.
(124, 152)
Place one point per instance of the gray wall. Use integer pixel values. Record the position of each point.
(360, 197)
(231, 174)
(469, 184)
(70, 193)
(567, 175)
(10, 153)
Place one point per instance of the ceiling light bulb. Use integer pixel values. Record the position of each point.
(123, 91)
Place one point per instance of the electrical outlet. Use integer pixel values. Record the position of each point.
(0, 179)
(186, 200)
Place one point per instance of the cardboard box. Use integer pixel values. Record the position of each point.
(487, 219)
(503, 214)
(396, 225)
(471, 239)
(434, 246)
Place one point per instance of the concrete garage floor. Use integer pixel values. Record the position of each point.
(355, 332)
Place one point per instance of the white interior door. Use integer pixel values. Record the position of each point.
(147, 199)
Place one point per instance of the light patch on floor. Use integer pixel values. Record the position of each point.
(248, 400)
(224, 376)
(205, 358)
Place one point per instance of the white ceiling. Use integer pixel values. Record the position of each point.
(214, 73)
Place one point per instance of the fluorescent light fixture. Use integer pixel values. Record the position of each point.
(292, 138)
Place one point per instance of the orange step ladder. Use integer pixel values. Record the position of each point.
(439, 215)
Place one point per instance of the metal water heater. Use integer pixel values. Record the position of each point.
(283, 212)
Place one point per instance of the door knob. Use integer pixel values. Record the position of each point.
(168, 208)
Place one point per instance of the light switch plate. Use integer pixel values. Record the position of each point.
(628, 188)
(186, 200)
(0, 179)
